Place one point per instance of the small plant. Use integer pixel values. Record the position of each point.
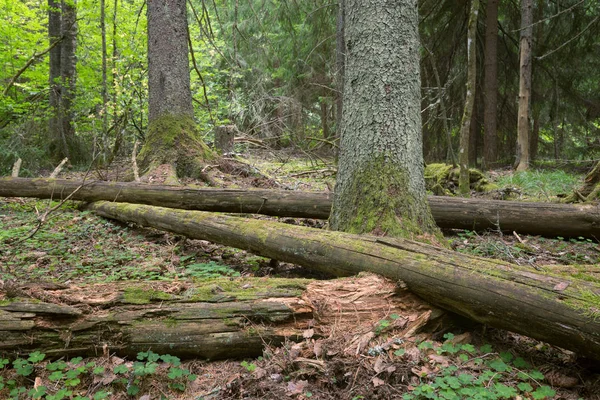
(502, 375)
(209, 270)
(250, 367)
(67, 378)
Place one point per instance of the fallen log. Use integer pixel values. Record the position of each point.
(546, 219)
(557, 309)
(214, 319)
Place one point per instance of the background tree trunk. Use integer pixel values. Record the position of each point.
(380, 186)
(172, 137)
(522, 161)
(490, 142)
(340, 64)
(68, 67)
(465, 126)
(58, 144)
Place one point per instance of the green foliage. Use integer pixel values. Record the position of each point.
(501, 376)
(250, 367)
(70, 377)
(209, 270)
(540, 184)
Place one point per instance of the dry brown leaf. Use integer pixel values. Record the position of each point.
(379, 365)
(294, 388)
(318, 348)
(437, 359)
(377, 382)
(307, 334)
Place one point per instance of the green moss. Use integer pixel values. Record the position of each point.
(141, 295)
(378, 202)
(437, 177)
(227, 289)
(175, 140)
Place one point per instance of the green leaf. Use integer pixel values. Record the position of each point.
(506, 356)
(498, 365)
(37, 393)
(98, 370)
(133, 390)
(36, 356)
(175, 373)
(525, 387)
(537, 375)
(543, 392)
(505, 392)
(56, 376)
(120, 369)
(486, 348)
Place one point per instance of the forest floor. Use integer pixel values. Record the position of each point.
(74, 247)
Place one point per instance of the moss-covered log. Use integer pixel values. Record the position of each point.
(219, 318)
(546, 219)
(557, 309)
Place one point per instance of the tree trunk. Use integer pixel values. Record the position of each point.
(464, 186)
(560, 310)
(522, 162)
(172, 137)
(220, 318)
(340, 63)
(68, 71)
(104, 138)
(490, 141)
(58, 146)
(544, 219)
(380, 186)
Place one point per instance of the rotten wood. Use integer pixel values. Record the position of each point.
(546, 219)
(222, 318)
(558, 309)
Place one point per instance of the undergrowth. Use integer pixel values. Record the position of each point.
(540, 185)
(35, 378)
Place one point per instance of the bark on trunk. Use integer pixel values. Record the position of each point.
(380, 185)
(560, 310)
(172, 138)
(465, 126)
(546, 219)
(522, 162)
(68, 66)
(221, 318)
(490, 142)
(57, 143)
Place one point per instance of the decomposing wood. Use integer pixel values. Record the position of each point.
(554, 308)
(16, 168)
(590, 190)
(224, 138)
(58, 168)
(220, 318)
(546, 219)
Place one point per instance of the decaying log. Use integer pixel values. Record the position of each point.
(546, 219)
(557, 309)
(221, 318)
